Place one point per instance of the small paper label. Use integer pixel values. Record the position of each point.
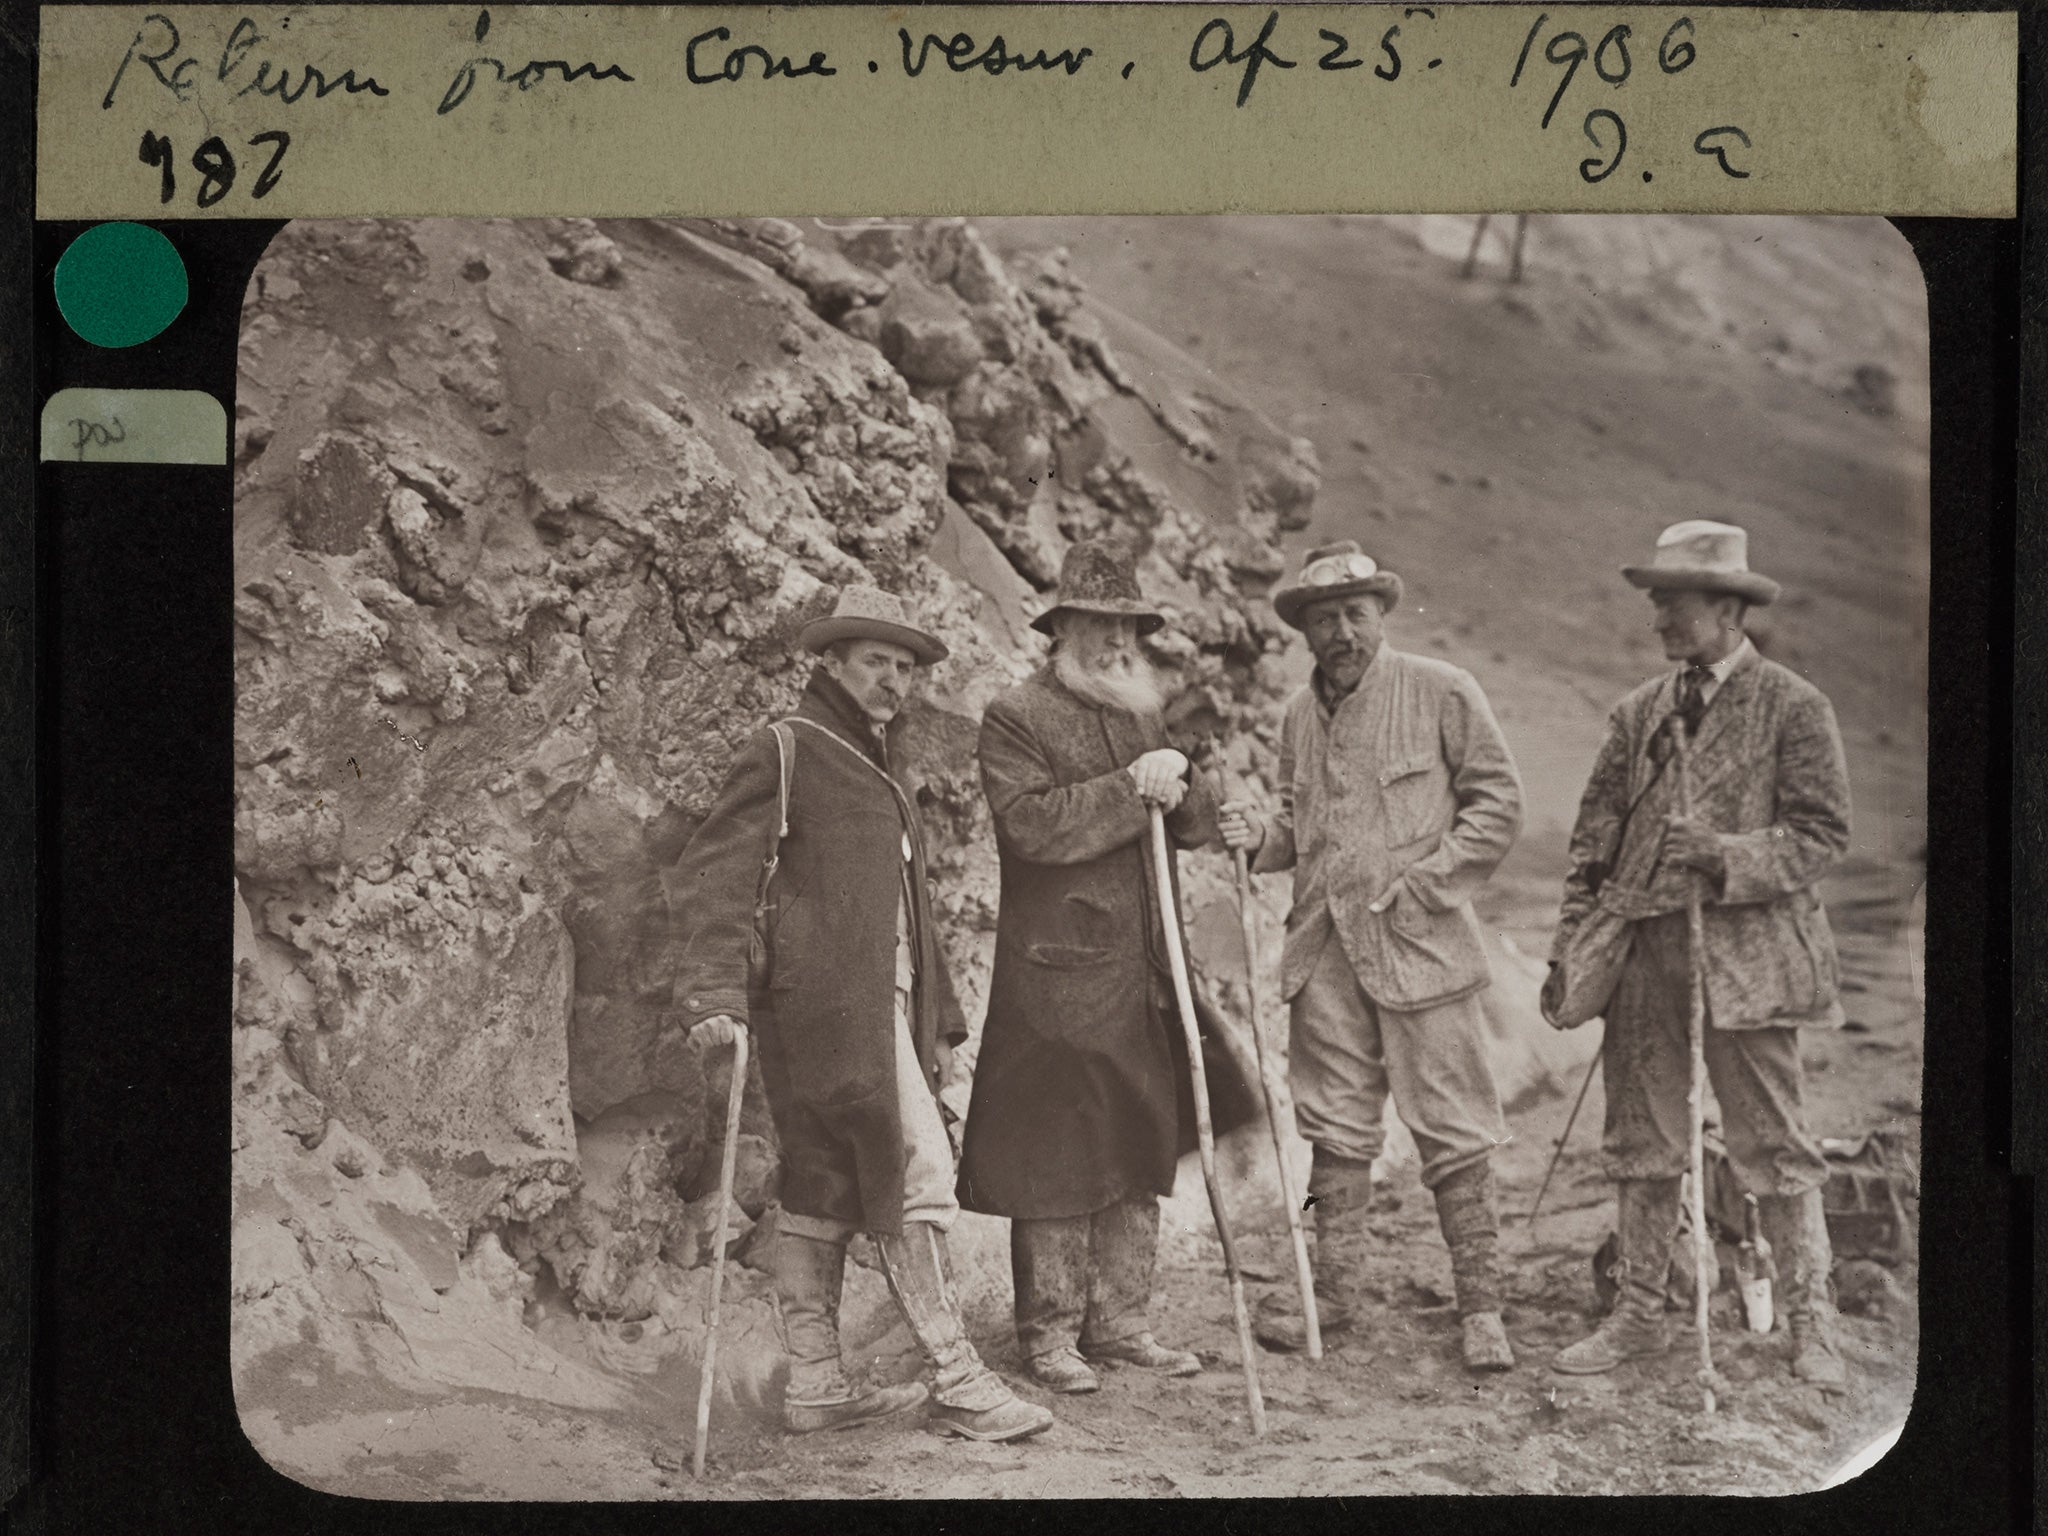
(134, 426)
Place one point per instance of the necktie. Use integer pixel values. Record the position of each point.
(1692, 697)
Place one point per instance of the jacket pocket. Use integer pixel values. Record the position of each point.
(1412, 794)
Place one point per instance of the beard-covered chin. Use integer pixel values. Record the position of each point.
(1130, 684)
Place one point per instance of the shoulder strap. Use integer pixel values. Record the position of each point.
(785, 752)
(860, 756)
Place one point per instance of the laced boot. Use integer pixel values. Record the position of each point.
(1342, 1190)
(1646, 1220)
(808, 1275)
(1798, 1231)
(1471, 1227)
(971, 1400)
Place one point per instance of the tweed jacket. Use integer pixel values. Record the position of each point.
(1409, 780)
(826, 1019)
(1768, 776)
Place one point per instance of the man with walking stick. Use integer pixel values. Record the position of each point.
(1760, 759)
(1082, 1100)
(1398, 798)
(811, 861)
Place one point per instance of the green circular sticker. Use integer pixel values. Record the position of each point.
(120, 284)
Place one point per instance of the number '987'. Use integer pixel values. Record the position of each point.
(215, 164)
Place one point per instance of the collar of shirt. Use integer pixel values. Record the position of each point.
(1718, 672)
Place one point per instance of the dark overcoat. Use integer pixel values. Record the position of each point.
(1081, 1090)
(825, 1022)
(1768, 778)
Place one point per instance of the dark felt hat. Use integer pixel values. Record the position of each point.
(1101, 576)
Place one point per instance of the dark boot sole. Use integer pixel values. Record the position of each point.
(851, 1416)
(990, 1436)
(1613, 1365)
(1069, 1388)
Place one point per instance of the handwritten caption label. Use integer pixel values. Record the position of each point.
(248, 65)
(225, 111)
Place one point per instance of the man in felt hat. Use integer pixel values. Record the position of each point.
(853, 1012)
(1082, 1101)
(1770, 816)
(1398, 797)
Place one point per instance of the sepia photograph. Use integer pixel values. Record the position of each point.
(1108, 857)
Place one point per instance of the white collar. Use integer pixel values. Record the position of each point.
(1727, 664)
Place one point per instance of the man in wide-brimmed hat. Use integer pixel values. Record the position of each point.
(852, 1009)
(1770, 816)
(1082, 1101)
(1398, 797)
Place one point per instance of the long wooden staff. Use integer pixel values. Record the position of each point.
(1302, 1273)
(1695, 1029)
(1205, 1134)
(725, 1174)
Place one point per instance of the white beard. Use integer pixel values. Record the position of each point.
(1130, 685)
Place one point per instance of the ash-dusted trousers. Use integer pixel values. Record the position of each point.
(1347, 1052)
(928, 1152)
(1646, 1059)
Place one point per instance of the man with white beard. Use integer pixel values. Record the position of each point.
(1082, 1103)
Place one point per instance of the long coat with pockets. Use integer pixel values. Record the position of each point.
(1409, 780)
(1081, 1091)
(825, 1022)
(1768, 777)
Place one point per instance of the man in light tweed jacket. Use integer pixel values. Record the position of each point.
(1398, 800)
(1770, 816)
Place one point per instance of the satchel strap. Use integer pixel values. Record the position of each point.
(902, 801)
(785, 754)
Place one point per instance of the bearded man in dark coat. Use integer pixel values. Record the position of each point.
(853, 1013)
(1082, 1102)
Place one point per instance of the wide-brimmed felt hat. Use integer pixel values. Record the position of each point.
(869, 613)
(1702, 556)
(1101, 576)
(1336, 570)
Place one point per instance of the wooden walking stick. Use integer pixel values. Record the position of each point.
(1205, 1134)
(1695, 1029)
(1312, 1325)
(734, 1096)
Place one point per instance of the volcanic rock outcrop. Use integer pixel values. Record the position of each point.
(527, 517)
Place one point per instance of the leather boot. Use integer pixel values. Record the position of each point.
(1049, 1272)
(1471, 1226)
(1342, 1190)
(808, 1275)
(1124, 1240)
(972, 1400)
(1646, 1220)
(1797, 1228)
